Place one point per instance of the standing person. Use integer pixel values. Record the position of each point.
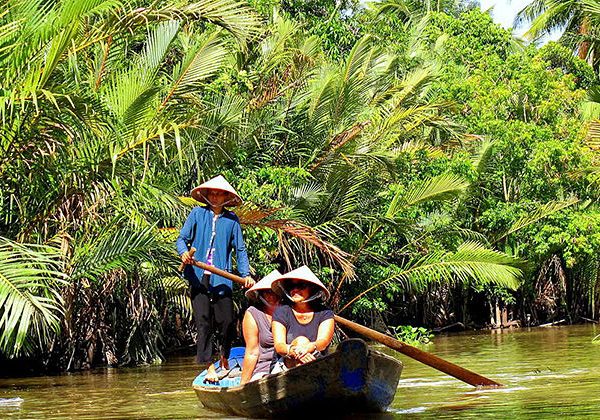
(302, 330)
(214, 232)
(256, 327)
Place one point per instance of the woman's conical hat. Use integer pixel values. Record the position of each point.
(301, 273)
(262, 284)
(217, 183)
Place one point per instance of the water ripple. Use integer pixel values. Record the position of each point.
(11, 402)
(409, 410)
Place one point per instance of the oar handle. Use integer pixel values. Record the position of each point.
(429, 359)
(214, 270)
(192, 251)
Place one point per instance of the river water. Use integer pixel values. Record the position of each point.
(547, 372)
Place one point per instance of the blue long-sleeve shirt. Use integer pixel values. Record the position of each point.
(228, 238)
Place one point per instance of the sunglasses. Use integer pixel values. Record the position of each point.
(297, 285)
(217, 192)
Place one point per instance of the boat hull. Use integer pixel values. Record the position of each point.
(353, 379)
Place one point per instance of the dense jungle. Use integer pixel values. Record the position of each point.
(436, 171)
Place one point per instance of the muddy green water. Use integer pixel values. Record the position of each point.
(548, 372)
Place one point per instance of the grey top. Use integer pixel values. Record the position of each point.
(266, 350)
(285, 315)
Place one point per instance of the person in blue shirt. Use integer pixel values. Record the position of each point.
(215, 233)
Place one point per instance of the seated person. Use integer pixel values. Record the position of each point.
(302, 329)
(256, 327)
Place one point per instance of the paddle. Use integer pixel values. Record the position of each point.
(214, 270)
(429, 359)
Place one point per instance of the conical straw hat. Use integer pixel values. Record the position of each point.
(217, 183)
(301, 273)
(262, 284)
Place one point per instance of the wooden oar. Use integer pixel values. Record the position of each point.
(214, 270)
(429, 359)
(192, 251)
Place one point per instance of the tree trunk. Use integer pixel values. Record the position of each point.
(584, 46)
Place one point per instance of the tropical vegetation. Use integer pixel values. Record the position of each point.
(429, 166)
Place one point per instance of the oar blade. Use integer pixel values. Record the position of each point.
(424, 357)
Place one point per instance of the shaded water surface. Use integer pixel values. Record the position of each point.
(548, 372)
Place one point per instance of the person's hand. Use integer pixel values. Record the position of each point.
(187, 258)
(302, 350)
(291, 354)
(249, 282)
(308, 357)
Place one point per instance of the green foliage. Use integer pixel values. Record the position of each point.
(90, 93)
(343, 128)
(333, 22)
(561, 57)
(531, 178)
(412, 335)
(472, 37)
(576, 20)
(30, 300)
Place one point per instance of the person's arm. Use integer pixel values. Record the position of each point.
(250, 330)
(185, 235)
(241, 255)
(279, 338)
(325, 334)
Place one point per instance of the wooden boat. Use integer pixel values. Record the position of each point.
(353, 379)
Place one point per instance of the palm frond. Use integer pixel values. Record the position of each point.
(400, 119)
(321, 99)
(543, 211)
(306, 235)
(307, 195)
(529, 12)
(590, 108)
(441, 187)
(151, 203)
(591, 8)
(124, 248)
(551, 14)
(337, 143)
(69, 16)
(414, 83)
(471, 262)
(412, 146)
(30, 302)
(232, 15)
(593, 135)
(201, 62)
(440, 224)
(235, 16)
(393, 6)
(130, 95)
(175, 289)
(482, 156)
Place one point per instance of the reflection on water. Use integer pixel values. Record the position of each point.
(547, 372)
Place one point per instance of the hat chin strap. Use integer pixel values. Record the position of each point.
(264, 301)
(310, 299)
(225, 203)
